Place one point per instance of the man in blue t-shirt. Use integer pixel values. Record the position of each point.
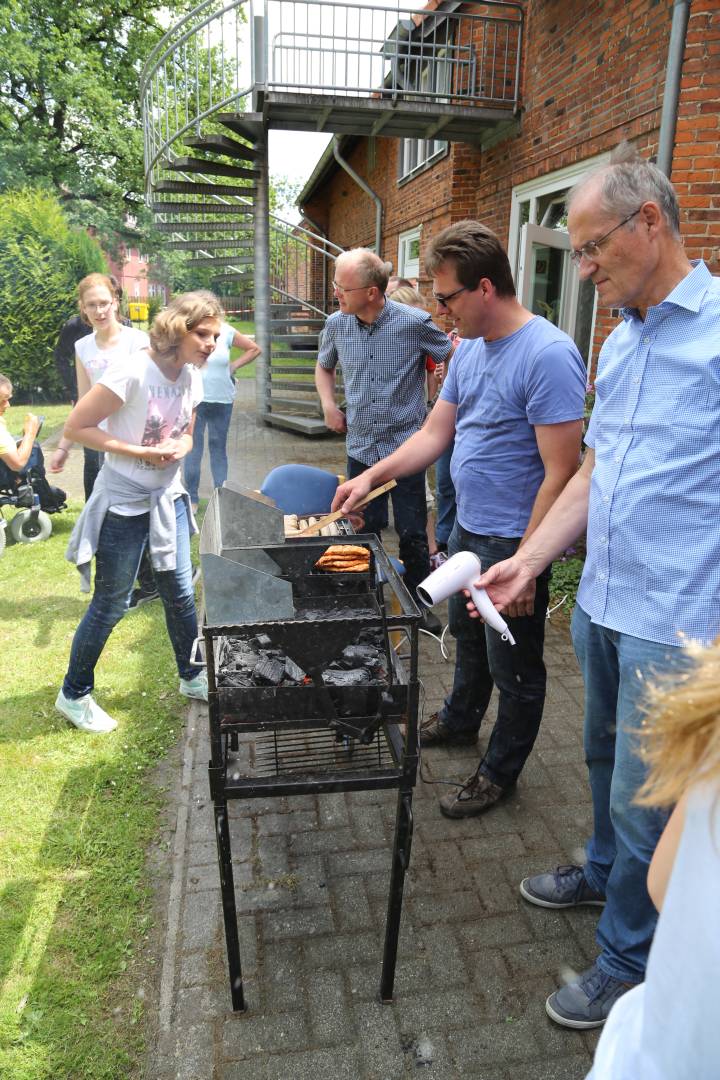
(513, 400)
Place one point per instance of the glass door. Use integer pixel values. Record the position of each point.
(548, 284)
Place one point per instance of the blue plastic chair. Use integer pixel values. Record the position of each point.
(300, 489)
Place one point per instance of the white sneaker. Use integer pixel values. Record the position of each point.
(195, 688)
(85, 714)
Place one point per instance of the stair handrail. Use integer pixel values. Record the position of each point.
(180, 91)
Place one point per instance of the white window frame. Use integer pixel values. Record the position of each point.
(409, 267)
(532, 191)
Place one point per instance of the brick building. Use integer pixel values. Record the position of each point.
(592, 74)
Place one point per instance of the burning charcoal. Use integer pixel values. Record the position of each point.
(292, 672)
(261, 641)
(371, 636)
(354, 655)
(268, 672)
(354, 677)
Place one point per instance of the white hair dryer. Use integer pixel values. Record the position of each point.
(459, 572)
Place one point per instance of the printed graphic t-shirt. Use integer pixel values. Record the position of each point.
(154, 409)
(95, 359)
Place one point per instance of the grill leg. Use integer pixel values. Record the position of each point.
(227, 888)
(400, 862)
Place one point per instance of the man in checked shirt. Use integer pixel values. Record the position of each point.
(649, 494)
(381, 347)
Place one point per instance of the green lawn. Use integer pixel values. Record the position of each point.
(77, 813)
(55, 417)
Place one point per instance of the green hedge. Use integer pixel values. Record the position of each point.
(42, 258)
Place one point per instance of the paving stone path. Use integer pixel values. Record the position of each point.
(475, 961)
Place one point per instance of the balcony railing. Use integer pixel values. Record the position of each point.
(219, 54)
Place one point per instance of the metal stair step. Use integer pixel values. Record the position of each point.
(208, 245)
(293, 384)
(200, 226)
(249, 125)
(306, 405)
(214, 168)
(221, 144)
(201, 208)
(245, 281)
(297, 320)
(187, 187)
(296, 354)
(306, 425)
(221, 260)
(290, 369)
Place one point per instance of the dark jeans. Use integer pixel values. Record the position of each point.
(120, 547)
(445, 497)
(483, 659)
(215, 416)
(92, 464)
(410, 518)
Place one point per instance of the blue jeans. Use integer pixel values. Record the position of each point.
(120, 548)
(445, 492)
(215, 416)
(616, 668)
(483, 659)
(410, 518)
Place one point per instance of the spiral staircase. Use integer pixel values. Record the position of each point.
(227, 73)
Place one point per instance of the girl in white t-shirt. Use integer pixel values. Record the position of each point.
(140, 414)
(215, 410)
(109, 342)
(667, 1027)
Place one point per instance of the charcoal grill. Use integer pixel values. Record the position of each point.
(316, 730)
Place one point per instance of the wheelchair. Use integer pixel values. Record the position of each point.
(34, 499)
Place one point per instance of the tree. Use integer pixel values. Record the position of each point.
(42, 258)
(69, 108)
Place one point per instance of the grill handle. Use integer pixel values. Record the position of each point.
(197, 650)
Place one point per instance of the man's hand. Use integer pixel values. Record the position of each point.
(335, 419)
(351, 493)
(510, 585)
(31, 425)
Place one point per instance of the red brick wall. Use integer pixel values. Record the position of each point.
(593, 74)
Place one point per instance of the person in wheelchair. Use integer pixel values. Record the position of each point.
(15, 455)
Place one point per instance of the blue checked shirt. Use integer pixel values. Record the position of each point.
(383, 368)
(653, 566)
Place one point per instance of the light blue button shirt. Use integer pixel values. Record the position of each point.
(653, 565)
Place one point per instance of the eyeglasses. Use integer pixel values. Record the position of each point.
(591, 250)
(103, 306)
(342, 290)
(443, 300)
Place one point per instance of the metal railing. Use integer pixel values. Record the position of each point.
(220, 53)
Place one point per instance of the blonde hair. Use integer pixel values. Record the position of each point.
(182, 314)
(681, 742)
(92, 281)
(405, 294)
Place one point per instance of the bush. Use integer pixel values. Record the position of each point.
(41, 261)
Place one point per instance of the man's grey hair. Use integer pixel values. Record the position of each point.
(5, 383)
(627, 182)
(370, 267)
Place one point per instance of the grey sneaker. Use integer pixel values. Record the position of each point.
(435, 732)
(563, 887)
(195, 688)
(586, 1002)
(85, 714)
(476, 796)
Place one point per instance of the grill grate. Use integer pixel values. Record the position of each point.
(314, 753)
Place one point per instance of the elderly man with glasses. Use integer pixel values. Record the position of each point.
(648, 493)
(513, 399)
(381, 347)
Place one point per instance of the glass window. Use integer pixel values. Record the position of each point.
(409, 254)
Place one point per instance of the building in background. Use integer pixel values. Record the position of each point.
(592, 74)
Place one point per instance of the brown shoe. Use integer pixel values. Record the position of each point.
(434, 732)
(477, 794)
